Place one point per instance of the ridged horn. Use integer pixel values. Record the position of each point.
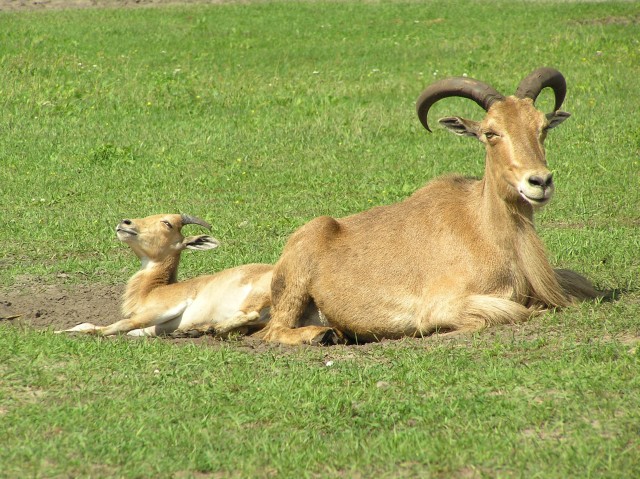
(483, 94)
(193, 220)
(538, 80)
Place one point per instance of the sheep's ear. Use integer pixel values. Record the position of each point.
(200, 242)
(460, 126)
(556, 118)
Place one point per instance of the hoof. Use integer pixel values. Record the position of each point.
(80, 328)
(189, 333)
(328, 338)
(261, 334)
(138, 333)
(194, 333)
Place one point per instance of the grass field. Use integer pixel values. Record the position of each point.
(258, 117)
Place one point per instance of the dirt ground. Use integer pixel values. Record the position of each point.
(58, 306)
(34, 305)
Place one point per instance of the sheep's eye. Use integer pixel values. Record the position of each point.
(490, 135)
(167, 224)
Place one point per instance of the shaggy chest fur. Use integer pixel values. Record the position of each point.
(142, 284)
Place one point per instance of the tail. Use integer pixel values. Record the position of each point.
(576, 287)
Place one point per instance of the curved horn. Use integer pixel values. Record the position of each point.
(538, 80)
(193, 220)
(483, 94)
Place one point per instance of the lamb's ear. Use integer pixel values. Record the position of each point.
(460, 126)
(200, 242)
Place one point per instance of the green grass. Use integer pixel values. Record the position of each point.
(257, 118)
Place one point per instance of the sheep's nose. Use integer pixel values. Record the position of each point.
(126, 222)
(541, 181)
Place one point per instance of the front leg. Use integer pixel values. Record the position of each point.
(87, 328)
(126, 325)
(285, 324)
(290, 299)
(150, 316)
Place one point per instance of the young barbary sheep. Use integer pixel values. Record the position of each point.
(154, 303)
(458, 255)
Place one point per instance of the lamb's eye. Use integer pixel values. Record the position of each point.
(167, 224)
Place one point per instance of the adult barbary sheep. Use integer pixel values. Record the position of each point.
(154, 303)
(458, 255)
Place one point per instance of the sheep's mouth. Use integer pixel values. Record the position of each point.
(535, 201)
(125, 233)
(536, 196)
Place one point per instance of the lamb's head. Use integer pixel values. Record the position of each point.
(513, 130)
(159, 236)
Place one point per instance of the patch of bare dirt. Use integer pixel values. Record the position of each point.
(35, 305)
(611, 20)
(59, 306)
(32, 304)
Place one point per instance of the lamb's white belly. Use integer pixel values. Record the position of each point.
(214, 305)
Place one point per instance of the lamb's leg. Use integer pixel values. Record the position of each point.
(250, 312)
(237, 321)
(80, 328)
(128, 324)
(151, 317)
(161, 329)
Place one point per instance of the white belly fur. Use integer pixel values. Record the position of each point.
(214, 304)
